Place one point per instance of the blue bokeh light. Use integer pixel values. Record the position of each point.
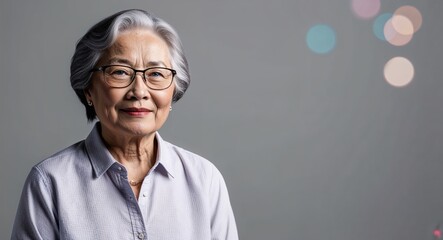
(379, 25)
(321, 39)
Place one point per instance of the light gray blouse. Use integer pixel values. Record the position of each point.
(83, 193)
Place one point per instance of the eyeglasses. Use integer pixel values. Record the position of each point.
(120, 76)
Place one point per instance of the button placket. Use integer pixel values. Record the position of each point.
(144, 192)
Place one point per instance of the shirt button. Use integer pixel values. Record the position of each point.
(140, 235)
(119, 168)
(144, 194)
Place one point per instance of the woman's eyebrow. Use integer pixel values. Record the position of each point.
(119, 60)
(156, 63)
(129, 63)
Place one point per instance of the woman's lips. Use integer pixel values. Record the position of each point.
(136, 111)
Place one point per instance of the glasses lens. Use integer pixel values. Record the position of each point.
(158, 78)
(118, 76)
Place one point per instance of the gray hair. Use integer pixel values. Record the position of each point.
(101, 36)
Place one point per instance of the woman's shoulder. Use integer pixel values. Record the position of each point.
(188, 156)
(191, 163)
(185, 153)
(64, 158)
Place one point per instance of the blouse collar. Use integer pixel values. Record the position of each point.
(101, 159)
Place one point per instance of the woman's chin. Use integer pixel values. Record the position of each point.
(140, 129)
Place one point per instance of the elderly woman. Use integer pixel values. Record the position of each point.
(124, 181)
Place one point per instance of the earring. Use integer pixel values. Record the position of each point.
(170, 108)
(90, 103)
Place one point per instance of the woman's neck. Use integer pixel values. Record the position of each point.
(132, 151)
(136, 153)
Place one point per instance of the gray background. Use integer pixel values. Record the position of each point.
(311, 146)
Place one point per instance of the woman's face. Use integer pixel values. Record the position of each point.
(135, 110)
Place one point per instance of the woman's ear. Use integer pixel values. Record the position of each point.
(87, 92)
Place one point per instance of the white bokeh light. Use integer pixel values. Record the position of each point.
(399, 71)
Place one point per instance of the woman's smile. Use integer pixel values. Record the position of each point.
(136, 112)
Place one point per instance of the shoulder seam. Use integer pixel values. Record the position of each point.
(44, 178)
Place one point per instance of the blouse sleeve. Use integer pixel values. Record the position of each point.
(223, 226)
(36, 214)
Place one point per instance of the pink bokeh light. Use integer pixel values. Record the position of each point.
(437, 233)
(412, 13)
(394, 37)
(365, 9)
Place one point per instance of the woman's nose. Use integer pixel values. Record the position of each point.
(139, 89)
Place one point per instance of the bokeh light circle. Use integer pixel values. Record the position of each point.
(365, 9)
(399, 71)
(321, 39)
(413, 14)
(402, 25)
(379, 25)
(393, 37)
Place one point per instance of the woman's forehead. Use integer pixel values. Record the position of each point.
(134, 46)
(133, 39)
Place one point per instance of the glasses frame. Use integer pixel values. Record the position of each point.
(103, 68)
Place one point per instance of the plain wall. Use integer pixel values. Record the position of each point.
(311, 146)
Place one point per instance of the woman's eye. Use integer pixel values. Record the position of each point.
(119, 72)
(156, 74)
